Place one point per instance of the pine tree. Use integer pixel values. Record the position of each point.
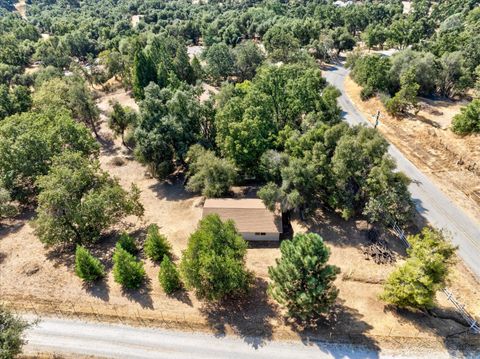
(144, 72)
(415, 283)
(87, 266)
(302, 281)
(127, 271)
(127, 243)
(168, 276)
(156, 246)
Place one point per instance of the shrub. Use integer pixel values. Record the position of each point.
(302, 280)
(156, 246)
(87, 266)
(468, 121)
(127, 271)
(168, 276)
(415, 283)
(128, 243)
(366, 93)
(11, 332)
(214, 262)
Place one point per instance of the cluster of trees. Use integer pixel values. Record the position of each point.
(410, 73)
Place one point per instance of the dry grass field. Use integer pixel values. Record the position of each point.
(452, 161)
(34, 278)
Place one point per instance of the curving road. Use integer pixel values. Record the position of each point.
(430, 202)
(78, 338)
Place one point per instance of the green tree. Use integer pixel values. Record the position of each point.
(144, 72)
(12, 334)
(415, 283)
(280, 43)
(468, 120)
(156, 245)
(168, 276)
(127, 271)
(214, 262)
(78, 201)
(29, 141)
(220, 61)
(302, 281)
(169, 123)
(71, 94)
(87, 266)
(127, 242)
(208, 174)
(248, 57)
(120, 119)
(405, 99)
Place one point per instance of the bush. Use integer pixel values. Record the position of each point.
(214, 262)
(415, 283)
(468, 121)
(366, 93)
(11, 331)
(87, 266)
(302, 280)
(168, 276)
(156, 246)
(128, 243)
(127, 271)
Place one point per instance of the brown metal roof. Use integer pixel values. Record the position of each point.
(249, 214)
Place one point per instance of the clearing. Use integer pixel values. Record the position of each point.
(451, 161)
(36, 279)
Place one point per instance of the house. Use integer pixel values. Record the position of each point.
(252, 219)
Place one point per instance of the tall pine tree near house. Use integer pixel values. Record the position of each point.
(302, 281)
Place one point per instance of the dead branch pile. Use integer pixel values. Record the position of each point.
(379, 252)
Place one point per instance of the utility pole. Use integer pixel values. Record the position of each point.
(377, 119)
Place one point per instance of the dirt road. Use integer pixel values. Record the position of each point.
(432, 204)
(71, 337)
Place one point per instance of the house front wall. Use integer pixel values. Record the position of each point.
(251, 236)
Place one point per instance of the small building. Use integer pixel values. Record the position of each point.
(252, 219)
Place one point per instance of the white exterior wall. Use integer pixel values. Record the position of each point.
(250, 236)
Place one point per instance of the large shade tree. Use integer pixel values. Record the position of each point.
(78, 201)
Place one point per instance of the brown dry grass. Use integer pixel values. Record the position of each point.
(451, 161)
(33, 277)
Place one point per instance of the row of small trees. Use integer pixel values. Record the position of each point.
(302, 281)
(127, 270)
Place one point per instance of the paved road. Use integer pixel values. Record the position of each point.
(431, 203)
(104, 340)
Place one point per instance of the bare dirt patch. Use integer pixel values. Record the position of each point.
(34, 278)
(452, 161)
(21, 8)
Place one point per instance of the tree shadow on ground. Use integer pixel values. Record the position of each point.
(141, 295)
(342, 325)
(107, 144)
(249, 318)
(182, 296)
(172, 189)
(447, 325)
(13, 225)
(2, 257)
(98, 289)
(352, 233)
